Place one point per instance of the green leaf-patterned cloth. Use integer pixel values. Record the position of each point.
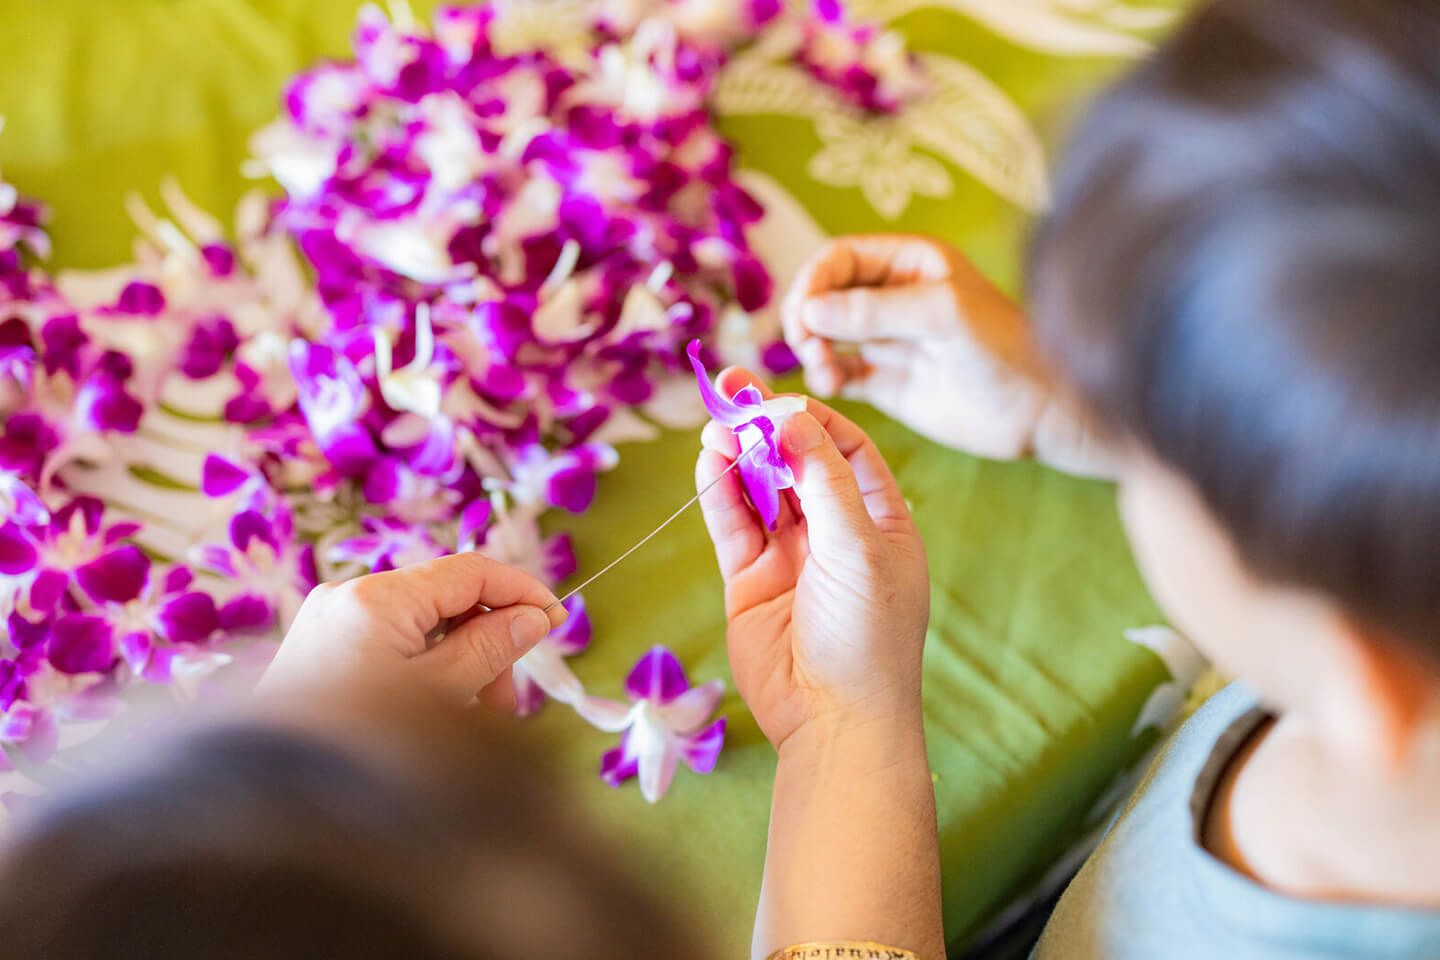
(1032, 690)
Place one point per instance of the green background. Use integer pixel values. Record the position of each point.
(1031, 688)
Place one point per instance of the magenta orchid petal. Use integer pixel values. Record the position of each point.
(763, 471)
(657, 676)
(722, 411)
(572, 488)
(188, 618)
(220, 477)
(117, 576)
(47, 588)
(81, 644)
(701, 750)
(17, 551)
(474, 520)
(177, 579)
(141, 299)
(529, 698)
(573, 636)
(557, 559)
(760, 486)
(247, 613)
(618, 765)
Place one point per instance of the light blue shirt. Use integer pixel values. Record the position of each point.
(1152, 891)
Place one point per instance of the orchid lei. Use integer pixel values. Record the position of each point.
(509, 248)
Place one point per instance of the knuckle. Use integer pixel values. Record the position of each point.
(366, 593)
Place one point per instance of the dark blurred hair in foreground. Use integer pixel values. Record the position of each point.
(1242, 272)
(255, 843)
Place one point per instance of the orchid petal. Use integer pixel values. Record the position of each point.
(607, 715)
(117, 576)
(702, 750)
(220, 477)
(189, 618)
(546, 668)
(17, 553)
(657, 676)
(619, 764)
(81, 644)
(574, 635)
(722, 411)
(689, 711)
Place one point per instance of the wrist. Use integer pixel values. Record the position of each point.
(857, 742)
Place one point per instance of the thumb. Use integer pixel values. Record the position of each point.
(477, 652)
(829, 494)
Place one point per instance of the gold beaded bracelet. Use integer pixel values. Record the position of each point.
(842, 950)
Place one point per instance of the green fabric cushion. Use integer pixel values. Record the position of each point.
(1031, 687)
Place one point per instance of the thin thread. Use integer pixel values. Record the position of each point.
(652, 534)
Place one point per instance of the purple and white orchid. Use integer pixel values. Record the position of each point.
(756, 423)
(666, 721)
(543, 671)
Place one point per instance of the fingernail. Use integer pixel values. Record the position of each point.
(803, 433)
(528, 627)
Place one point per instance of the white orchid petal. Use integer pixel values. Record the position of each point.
(607, 715)
(657, 753)
(564, 267)
(779, 408)
(424, 339)
(552, 674)
(692, 709)
(382, 354)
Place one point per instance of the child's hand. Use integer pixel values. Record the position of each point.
(827, 614)
(909, 325)
(369, 635)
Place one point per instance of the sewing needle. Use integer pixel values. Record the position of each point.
(651, 535)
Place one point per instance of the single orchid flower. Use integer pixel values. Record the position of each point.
(386, 544)
(565, 478)
(756, 423)
(332, 398)
(543, 671)
(271, 571)
(666, 721)
(149, 617)
(39, 564)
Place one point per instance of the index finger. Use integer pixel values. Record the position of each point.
(447, 587)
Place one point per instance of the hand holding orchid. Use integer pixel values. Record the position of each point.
(371, 633)
(908, 324)
(827, 612)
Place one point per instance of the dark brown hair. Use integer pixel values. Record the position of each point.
(258, 842)
(1241, 271)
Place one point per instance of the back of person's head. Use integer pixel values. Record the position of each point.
(253, 842)
(1241, 272)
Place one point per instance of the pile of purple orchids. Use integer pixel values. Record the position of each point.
(507, 252)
